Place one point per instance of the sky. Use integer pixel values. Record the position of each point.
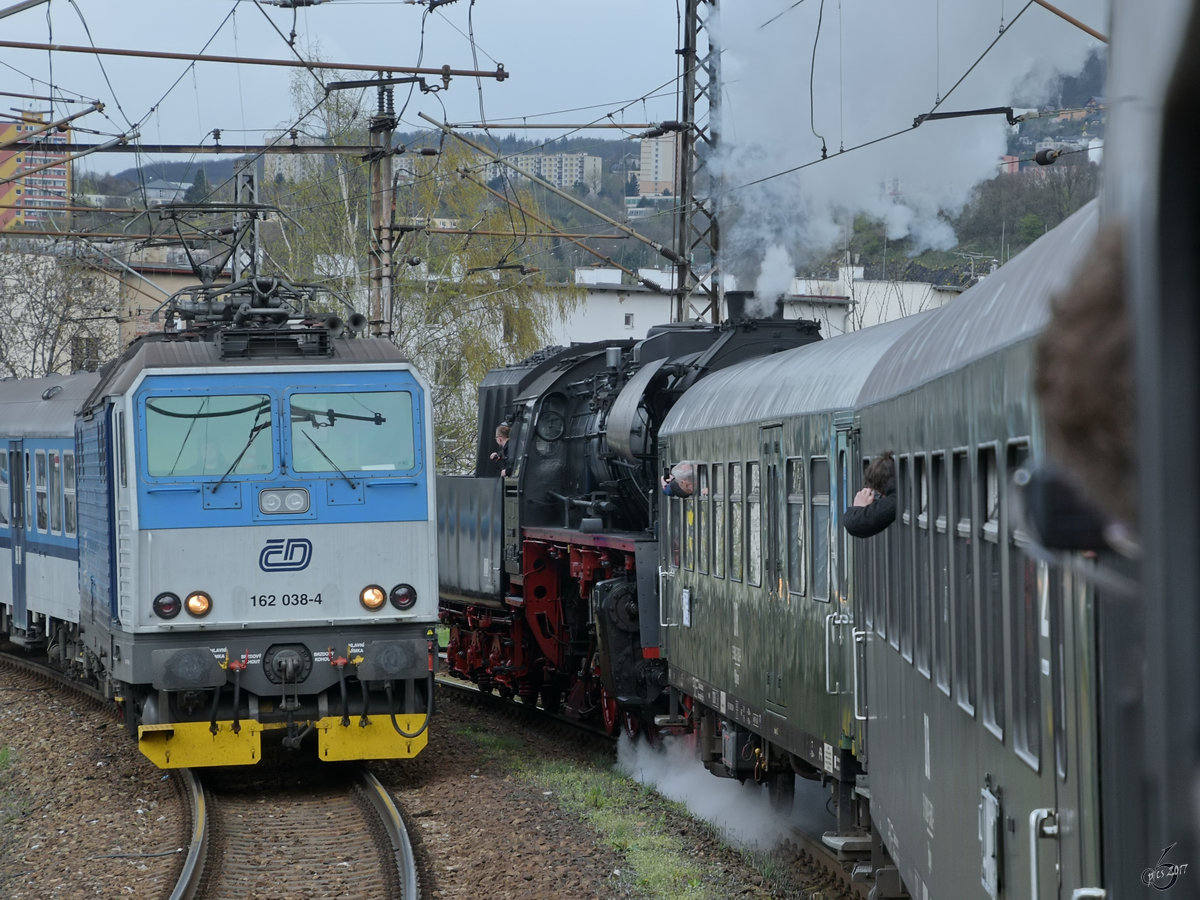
(559, 55)
(870, 66)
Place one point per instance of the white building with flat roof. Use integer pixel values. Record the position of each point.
(612, 310)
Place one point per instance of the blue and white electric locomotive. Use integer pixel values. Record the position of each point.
(250, 506)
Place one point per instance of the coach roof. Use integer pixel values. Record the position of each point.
(43, 407)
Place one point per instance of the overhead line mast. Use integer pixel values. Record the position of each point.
(697, 232)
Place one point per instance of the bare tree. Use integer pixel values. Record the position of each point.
(466, 303)
(462, 303)
(58, 312)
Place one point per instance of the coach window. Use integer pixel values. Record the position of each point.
(686, 509)
(875, 557)
(904, 555)
(1025, 625)
(56, 492)
(28, 491)
(703, 519)
(735, 522)
(40, 474)
(964, 585)
(718, 520)
(1058, 681)
(941, 573)
(69, 507)
(674, 516)
(209, 436)
(352, 431)
(5, 493)
(818, 493)
(921, 565)
(795, 525)
(992, 600)
(754, 524)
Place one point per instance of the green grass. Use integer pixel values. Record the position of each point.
(631, 819)
(660, 858)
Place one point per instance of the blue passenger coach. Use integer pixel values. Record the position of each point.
(39, 518)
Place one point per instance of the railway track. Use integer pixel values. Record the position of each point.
(289, 832)
(515, 707)
(280, 830)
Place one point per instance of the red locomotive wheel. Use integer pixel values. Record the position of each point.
(608, 709)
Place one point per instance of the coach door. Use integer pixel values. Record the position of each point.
(851, 613)
(16, 516)
(765, 527)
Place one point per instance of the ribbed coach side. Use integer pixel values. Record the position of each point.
(756, 592)
(980, 660)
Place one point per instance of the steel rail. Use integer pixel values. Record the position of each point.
(393, 822)
(187, 887)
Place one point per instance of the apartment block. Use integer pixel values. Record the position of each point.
(41, 178)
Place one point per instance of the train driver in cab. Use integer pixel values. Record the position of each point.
(874, 507)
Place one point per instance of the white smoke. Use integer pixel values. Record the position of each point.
(741, 812)
(876, 67)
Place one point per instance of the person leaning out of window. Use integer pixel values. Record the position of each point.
(874, 507)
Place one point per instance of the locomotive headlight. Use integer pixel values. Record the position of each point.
(372, 597)
(198, 603)
(167, 605)
(283, 500)
(404, 596)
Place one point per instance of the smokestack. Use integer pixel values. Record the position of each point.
(744, 305)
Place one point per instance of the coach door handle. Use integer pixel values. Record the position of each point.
(860, 637)
(663, 575)
(831, 620)
(1042, 824)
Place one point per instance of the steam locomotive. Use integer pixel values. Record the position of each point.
(230, 531)
(549, 572)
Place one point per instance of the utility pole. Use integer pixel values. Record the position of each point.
(697, 231)
(382, 211)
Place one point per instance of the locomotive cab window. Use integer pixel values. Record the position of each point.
(352, 431)
(209, 437)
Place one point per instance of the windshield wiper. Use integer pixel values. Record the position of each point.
(310, 415)
(253, 433)
(328, 460)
